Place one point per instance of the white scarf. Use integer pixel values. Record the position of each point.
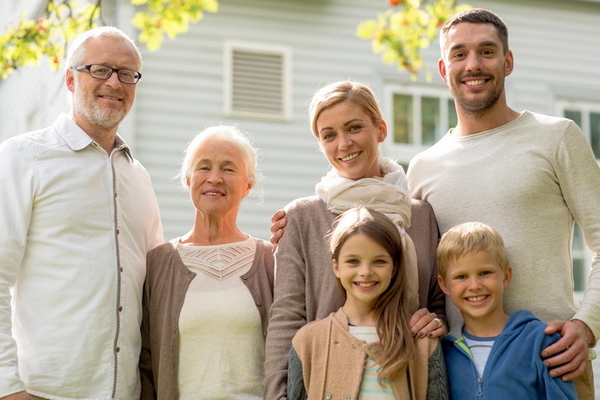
(388, 195)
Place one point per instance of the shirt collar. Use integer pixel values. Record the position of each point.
(77, 139)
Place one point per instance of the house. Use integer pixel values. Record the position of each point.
(256, 63)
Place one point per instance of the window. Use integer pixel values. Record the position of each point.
(587, 116)
(257, 80)
(419, 118)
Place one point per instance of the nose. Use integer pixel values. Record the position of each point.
(364, 269)
(215, 176)
(474, 62)
(474, 283)
(113, 80)
(345, 141)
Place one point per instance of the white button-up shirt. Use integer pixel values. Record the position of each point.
(75, 226)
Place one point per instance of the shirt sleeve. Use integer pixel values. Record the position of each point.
(17, 180)
(579, 178)
(288, 312)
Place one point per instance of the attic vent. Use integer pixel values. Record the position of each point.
(257, 81)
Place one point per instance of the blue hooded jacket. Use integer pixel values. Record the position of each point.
(514, 369)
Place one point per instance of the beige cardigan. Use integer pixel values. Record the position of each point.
(332, 362)
(167, 281)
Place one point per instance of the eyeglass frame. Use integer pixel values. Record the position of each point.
(113, 70)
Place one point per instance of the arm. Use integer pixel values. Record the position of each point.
(16, 205)
(288, 312)
(425, 236)
(437, 380)
(579, 179)
(295, 386)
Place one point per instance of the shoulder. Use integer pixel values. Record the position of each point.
(305, 205)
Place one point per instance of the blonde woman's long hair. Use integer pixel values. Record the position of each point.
(396, 345)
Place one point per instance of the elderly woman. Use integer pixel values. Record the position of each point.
(207, 293)
(347, 122)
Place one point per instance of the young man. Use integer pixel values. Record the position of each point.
(78, 215)
(527, 175)
(493, 356)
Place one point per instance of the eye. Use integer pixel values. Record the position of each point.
(458, 55)
(328, 136)
(203, 168)
(484, 273)
(355, 128)
(488, 52)
(460, 277)
(380, 261)
(352, 261)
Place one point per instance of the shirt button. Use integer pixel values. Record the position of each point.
(346, 397)
(117, 231)
(328, 395)
(245, 277)
(118, 349)
(121, 269)
(120, 309)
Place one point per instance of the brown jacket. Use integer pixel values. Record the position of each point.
(167, 282)
(332, 364)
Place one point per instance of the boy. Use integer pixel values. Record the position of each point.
(494, 355)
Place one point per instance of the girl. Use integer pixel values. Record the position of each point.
(366, 347)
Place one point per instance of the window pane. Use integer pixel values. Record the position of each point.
(574, 115)
(579, 274)
(595, 133)
(452, 118)
(430, 120)
(403, 121)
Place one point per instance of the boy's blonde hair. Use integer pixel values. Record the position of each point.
(470, 237)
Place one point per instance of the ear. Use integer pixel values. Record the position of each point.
(382, 131)
(443, 285)
(442, 70)
(70, 80)
(507, 276)
(248, 189)
(509, 63)
(334, 265)
(187, 182)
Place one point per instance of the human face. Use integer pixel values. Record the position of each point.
(475, 283)
(218, 180)
(474, 65)
(365, 270)
(101, 103)
(350, 140)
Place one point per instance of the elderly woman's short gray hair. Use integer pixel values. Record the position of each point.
(225, 133)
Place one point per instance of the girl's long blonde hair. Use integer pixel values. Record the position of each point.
(396, 345)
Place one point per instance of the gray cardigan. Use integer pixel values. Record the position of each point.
(167, 282)
(306, 289)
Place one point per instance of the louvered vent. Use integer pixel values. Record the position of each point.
(258, 83)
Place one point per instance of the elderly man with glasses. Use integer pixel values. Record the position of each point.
(78, 215)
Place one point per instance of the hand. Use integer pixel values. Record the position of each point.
(427, 324)
(576, 337)
(278, 222)
(17, 396)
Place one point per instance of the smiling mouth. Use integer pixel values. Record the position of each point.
(365, 284)
(476, 299)
(214, 194)
(110, 98)
(475, 82)
(350, 157)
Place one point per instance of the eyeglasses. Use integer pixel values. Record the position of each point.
(99, 71)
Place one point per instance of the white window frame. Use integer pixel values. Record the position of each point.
(405, 152)
(585, 107)
(286, 52)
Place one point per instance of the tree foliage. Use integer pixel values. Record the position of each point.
(29, 40)
(407, 27)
